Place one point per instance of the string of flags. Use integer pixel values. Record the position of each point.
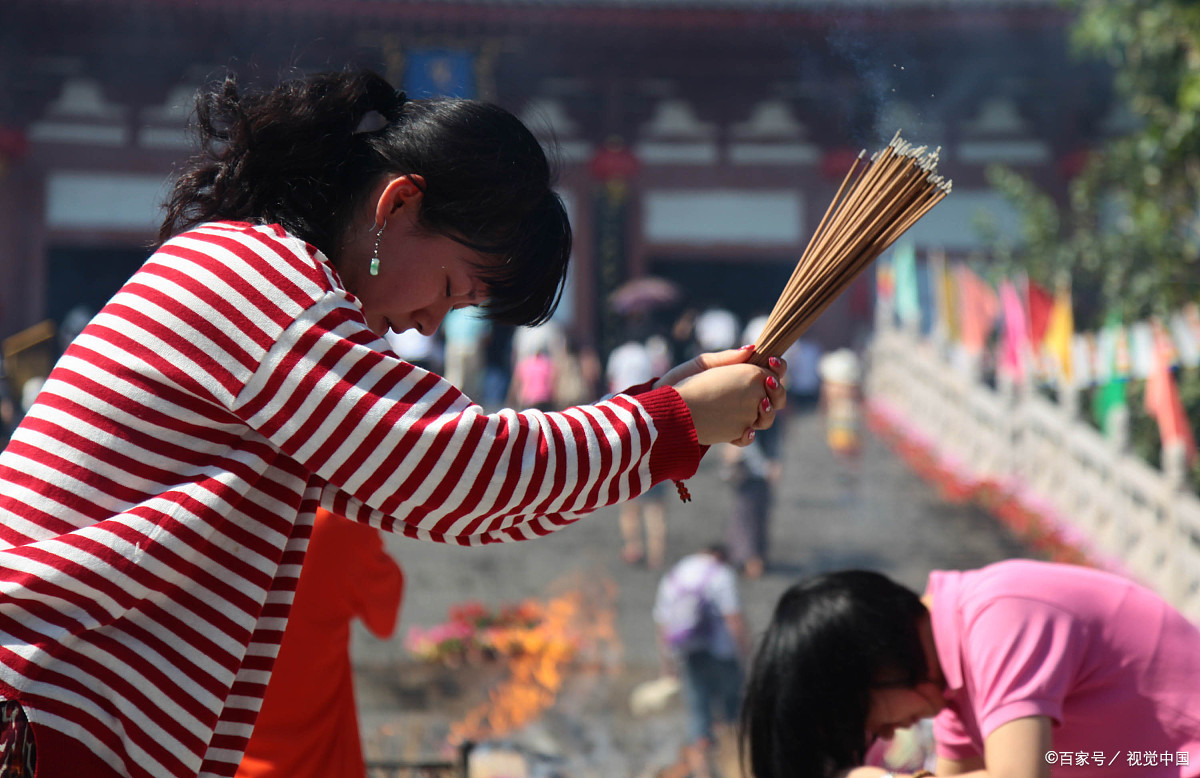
(1029, 332)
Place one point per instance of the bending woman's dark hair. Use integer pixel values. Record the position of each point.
(302, 156)
(831, 639)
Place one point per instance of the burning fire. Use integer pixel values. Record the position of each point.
(574, 630)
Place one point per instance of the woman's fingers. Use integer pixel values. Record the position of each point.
(774, 400)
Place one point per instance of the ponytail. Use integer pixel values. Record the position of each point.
(307, 155)
(289, 157)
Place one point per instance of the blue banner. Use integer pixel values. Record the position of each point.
(439, 73)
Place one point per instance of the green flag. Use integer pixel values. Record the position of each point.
(1109, 398)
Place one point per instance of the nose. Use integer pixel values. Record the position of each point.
(428, 320)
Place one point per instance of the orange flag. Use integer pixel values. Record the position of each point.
(1162, 398)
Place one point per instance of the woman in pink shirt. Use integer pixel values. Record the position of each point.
(1029, 668)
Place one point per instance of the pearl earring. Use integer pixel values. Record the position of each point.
(375, 256)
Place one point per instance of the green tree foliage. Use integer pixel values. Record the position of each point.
(1144, 188)
(1129, 236)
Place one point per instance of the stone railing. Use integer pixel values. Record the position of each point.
(1119, 512)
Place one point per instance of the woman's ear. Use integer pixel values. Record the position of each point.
(401, 191)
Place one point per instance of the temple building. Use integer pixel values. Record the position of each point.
(697, 140)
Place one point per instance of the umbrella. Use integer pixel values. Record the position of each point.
(644, 294)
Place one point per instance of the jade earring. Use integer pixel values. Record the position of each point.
(375, 256)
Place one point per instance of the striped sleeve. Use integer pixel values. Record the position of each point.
(397, 442)
(399, 447)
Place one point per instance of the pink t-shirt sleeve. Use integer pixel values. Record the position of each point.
(951, 736)
(1021, 659)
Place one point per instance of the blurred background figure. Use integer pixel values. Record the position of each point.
(533, 381)
(498, 361)
(752, 471)
(841, 404)
(644, 527)
(683, 336)
(803, 380)
(643, 521)
(704, 642)
(308, 724)
(465, 332)
(716, 329)
(577, 374)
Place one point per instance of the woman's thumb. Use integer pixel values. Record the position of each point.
(733, 356)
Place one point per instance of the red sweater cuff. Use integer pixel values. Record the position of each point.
(677, 451)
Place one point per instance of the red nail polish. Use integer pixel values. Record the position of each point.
(766, 404)
(751, 435)
(771, 382)
(749, 347)
(774, 362)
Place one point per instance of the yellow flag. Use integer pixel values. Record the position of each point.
(1059, 331)
(945, 295)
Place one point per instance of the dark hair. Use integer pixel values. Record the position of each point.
(295, 156)
(831, 639)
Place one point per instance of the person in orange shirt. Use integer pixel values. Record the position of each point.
(308, 724)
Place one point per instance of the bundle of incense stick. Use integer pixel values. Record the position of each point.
(878, 200)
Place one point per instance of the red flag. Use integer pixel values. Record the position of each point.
(1163, 401)
(1039, 303)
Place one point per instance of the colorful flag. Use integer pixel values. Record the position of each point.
(1014, 348)
(908, 294)
(978, 307)
(1109, 398)
(885, 279)
(1059, 332)
(1163, 401)
(945, 302)
(1040, 304)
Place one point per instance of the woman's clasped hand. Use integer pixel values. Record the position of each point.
(728, 397)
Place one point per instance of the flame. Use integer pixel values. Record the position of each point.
(575, 629)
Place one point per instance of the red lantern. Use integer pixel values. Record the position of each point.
(614, 161)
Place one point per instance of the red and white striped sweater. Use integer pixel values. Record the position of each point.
(156, 502)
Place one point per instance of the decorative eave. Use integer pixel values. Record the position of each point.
(645, 14)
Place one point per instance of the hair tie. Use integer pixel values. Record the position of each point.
(372, 121)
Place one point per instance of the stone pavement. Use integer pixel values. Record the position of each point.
(886, 520)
